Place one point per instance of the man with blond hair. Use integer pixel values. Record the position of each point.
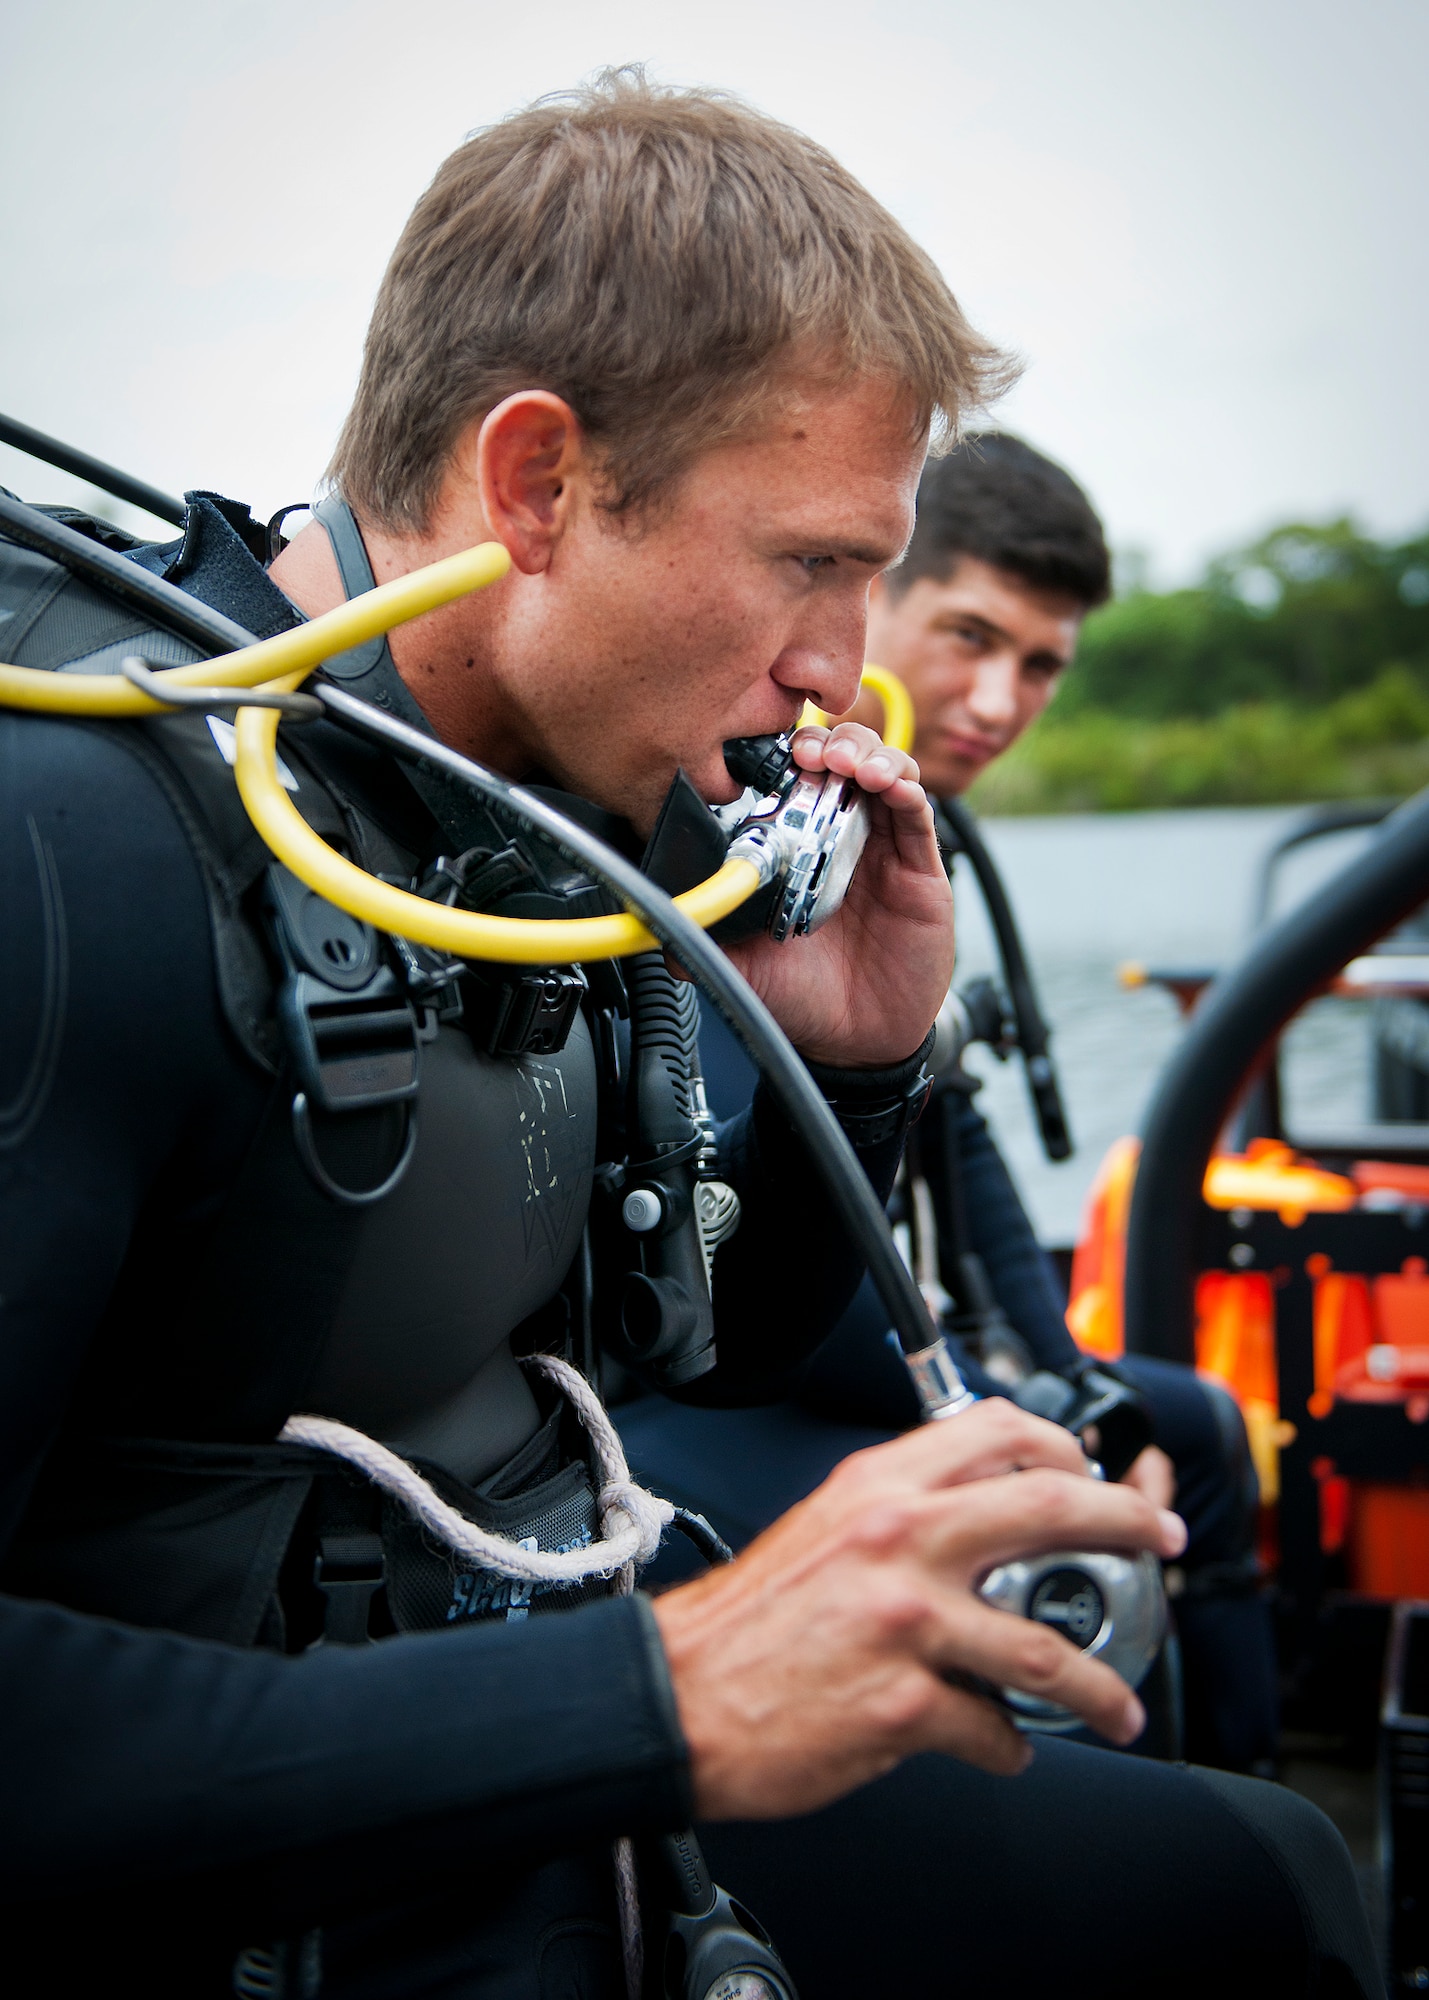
(685, 370)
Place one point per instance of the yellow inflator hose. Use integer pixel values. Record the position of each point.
(900, 724)
(465, 933)
(298, 651)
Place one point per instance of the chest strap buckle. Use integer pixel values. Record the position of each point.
(349, 1570)
(352, 1034)
(351, 1031)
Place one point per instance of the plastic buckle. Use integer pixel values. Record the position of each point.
(350, 1028)
(529, 1016)
(349, 1570)
(510, 1014)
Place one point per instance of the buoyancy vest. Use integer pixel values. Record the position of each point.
(166, 1501)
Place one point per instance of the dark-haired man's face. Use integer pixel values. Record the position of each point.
(980, 653)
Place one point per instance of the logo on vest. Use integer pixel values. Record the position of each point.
(482, 1594)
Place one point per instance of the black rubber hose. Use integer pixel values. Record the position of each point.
(1246, 1008)
(163, 506)
(754, 1026)
(164, 602)
(1339, 816)
(1033, 1035)
(664, 1016)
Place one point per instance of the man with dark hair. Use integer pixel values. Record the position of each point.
(263, 1731)
(980, 621)
(995, 500)
(981, 617)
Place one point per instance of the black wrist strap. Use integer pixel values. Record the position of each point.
(877, 1106)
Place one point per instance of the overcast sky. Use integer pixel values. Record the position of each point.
(1201, 222)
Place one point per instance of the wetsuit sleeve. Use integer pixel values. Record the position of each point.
(133, 1757)
(134, 1754)
(1003, 1237)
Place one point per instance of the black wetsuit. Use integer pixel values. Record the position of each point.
(177, 1786)
(175, 1286)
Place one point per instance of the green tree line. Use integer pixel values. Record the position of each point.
(1296, 669)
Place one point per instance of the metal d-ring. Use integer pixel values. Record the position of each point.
(297, 707)
(305, 1140)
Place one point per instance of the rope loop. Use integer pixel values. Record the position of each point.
(631, 1519)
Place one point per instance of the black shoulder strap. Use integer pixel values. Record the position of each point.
(51, 620)
(371, 672)
(188, 757)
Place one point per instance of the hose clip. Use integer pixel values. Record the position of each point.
(352, 1033)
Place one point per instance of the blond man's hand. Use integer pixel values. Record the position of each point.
(850, 1635)
(862, 991)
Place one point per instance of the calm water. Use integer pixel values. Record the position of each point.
(1176, 888)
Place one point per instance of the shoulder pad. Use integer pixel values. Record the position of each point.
(54, 621)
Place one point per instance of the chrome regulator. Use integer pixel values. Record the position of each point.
(805, 831)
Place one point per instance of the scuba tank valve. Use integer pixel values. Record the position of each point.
(971, 1014)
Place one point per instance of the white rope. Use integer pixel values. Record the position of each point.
(631, 1519)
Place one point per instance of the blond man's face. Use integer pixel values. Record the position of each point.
(646, 647)
(981, 653)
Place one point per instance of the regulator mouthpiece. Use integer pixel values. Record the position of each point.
(760, 762)
(804, 831)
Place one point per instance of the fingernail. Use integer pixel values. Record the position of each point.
(1133, 1720)
(878, 767)
(1175, 1530)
